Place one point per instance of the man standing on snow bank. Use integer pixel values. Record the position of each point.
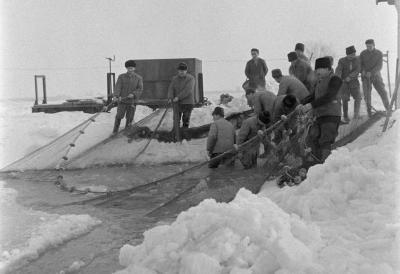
(300, 69)
(221, 138)
(299, 49)
(250, 128)
(128, 89)
(181, 92)
(371, 65)
(256, 70)
(348, 69)
(325, 103)
(289, 85)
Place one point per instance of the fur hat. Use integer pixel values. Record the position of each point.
(182, 66)
(370, 41)
(350, 50)
(292, 56)
(250, 91)
(323, 62)
(254, 49)
(265, 117)
(276, 73)
(218, 111)
(299, 46)
(130, 64)
(289, 101)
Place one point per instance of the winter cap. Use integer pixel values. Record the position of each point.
(276, 73)
(370, 42)
(265, 117)
(182, 66)
(250, 91)
(299, 46)
(292, 56)
(218, 111)
(289, 101)
(323, 62)
(130, 64)
(254, 49)
(350, 50)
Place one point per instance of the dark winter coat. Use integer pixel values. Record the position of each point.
(325, 99)
(129, 83)
(256, 72)
(292, 85)
(221, 137)
(263, 101)
(349, 68)
(371, 61)
(183, 88)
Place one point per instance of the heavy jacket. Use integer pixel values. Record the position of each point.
(301, 70)
(292, 85)
(129, 83)
(256, 72)
(325, 99)
(371, 61)
(349, 68)
(221, 136)
(263, 101)
(249, 129)
(183, 88)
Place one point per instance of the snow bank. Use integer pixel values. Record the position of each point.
(248, 235)
(343, 219)
(26, 234)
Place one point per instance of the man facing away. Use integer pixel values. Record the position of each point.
(250, 128)
(256, 70)
(128, 89)
(181, 92)
(289, 85)
(371, 65)
(300, 69)
(299, 49)
(348, 69)
(221, 138)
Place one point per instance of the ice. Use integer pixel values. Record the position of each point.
(344, 218)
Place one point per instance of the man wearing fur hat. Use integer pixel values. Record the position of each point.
(300, 69)
(325, 103)
(181, 92)
(256, 70)
(128, 89)
(348, 69)
(299, 49)
(371, 65)
(250, 128)
(289, 85)
(221, 138)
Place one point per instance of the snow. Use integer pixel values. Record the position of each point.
(344, 218)
(26, 234)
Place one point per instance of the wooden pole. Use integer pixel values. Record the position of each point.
(177, 119)
(389, 111)
(388, 74)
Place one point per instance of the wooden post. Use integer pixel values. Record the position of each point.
(177, 119)
(388, 73)
(389, 111)
(36, 91)
(44, 90)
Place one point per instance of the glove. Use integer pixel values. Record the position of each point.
(236, 147)
(130, 96)
(260, 133)
(283, 117)
(176, 99)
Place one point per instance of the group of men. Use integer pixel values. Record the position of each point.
(323, 90)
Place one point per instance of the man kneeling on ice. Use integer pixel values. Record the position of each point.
(251, 127)
(128, 90)
(221, 138)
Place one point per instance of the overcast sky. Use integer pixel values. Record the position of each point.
(68, 40)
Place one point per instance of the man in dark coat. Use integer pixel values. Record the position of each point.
(299, 49)
(181, 92)
(289, 85)
(371, 65)
(300, 69)
(348, 70)
(256, 70)
(128, 89)
(325, 103)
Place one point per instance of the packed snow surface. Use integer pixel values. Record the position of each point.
(344, 218)
(26, 233)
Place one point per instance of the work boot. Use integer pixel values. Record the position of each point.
(346, 119)
(116, 126)
(357, 105)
